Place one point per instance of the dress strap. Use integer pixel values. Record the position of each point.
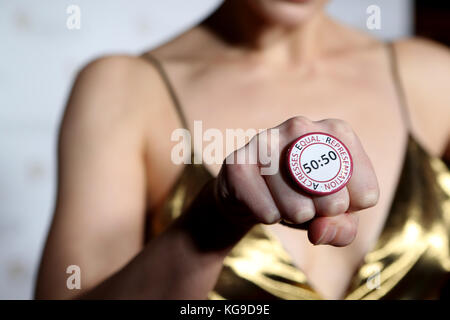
(398, 83)
(170, 88)
(176, 101)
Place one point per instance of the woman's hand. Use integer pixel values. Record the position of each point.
(249, 197)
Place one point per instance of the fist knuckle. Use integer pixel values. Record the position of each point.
(229, 159)
(340, 127)
(340, 207)
(261, 137)
(371, 197)
(262, 141)
(297, 125)
(303, 215)
(267, 218)
(334, 208)
(367, 200)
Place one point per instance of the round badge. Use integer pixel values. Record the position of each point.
(320, 163)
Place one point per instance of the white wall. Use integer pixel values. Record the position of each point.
(38, 60)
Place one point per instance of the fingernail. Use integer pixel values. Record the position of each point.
(339, 207)
(327, 236)
(272, 217)
(305, 215)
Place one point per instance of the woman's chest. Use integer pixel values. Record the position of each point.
(372, 110)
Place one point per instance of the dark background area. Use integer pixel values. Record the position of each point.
(432, 20)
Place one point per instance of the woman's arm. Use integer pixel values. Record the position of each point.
(97, 223)
(181, 263)
(100, 214)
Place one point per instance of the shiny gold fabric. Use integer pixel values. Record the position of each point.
(411, 259)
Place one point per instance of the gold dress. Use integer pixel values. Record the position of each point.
(411, 259)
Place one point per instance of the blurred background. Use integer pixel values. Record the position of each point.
(39, 59)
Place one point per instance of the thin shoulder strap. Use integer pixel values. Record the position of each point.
(176, 101)
(398, 83)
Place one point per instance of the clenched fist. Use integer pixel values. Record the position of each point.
(247, 195)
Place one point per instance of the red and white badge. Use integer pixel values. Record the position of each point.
(320, 163)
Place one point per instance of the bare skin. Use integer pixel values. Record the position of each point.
(114, 155)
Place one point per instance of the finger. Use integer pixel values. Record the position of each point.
(337, 231)
(332, 204)
(363, 185)
(292, 129)
(294, 207)
(243, 184)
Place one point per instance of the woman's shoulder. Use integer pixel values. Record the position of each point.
(119, 75)
(119, 90)
(424, 67)
(419, 47)
(120, 104)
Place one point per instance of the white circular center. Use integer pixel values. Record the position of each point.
(320, 162)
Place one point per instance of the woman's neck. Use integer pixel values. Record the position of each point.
(240, 26)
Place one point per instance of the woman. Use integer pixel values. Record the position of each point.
(139, 226)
